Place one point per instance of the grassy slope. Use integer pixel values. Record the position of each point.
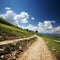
(53, 46)
(10, 31)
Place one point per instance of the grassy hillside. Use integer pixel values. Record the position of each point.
(53, 44)
(10, 31)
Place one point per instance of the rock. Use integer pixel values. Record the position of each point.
(1, 49)
(14, 57)
(0, 37)
(2, 56)
(20, 47)
(7, 56)
(13, 53)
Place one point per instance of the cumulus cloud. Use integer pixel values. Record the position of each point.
(32, 18)
(48, 24)
(11, 16)
(45, 27)
(31, 27)
(8, 15)
(22, 17)
(56, 30)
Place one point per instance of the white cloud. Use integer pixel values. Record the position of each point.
(22, 17)
(48, 24)
(11, 16)
(45, 27)
(32, 18)
(30, 27)
(56, 30)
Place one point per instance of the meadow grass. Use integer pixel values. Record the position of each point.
(53, 45)
(10, 31)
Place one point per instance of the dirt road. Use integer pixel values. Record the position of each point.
(37, 51)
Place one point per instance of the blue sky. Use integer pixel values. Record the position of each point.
(32, 14)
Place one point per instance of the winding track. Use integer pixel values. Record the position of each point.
(37, 51)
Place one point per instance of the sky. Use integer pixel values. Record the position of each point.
(40, 15)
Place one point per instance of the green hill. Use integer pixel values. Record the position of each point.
(10, 31)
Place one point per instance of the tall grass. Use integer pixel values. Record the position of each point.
(53, 45)
(7, 31)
